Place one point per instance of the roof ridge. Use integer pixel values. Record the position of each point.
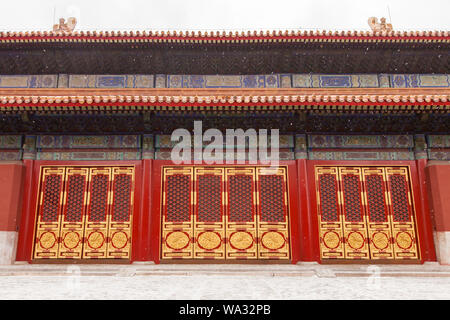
(230, 34)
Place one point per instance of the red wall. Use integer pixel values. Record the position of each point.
(438, 176)
(11, 176)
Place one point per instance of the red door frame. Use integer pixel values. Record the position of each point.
(295, 231)
(423, 218)
(308, 232)
(28, 220)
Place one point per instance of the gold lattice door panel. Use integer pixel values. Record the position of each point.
(177, 218)
(122, 195)
(84, 213)
(49, 213)
(98, 207)
(213, 213)
(371, 207)
(379, 220)
(329, 211)
(273, 224)
(73, 218)
(402, 217)
(209, 222)
(241, 213)
(353, 216)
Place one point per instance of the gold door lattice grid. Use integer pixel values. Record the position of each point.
(84, 213)
(365, 213)
(224, 213)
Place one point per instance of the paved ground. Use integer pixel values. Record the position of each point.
(224, 282)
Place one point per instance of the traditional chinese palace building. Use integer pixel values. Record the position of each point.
(85, 141)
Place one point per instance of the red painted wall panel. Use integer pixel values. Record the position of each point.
(11, 184)
(438, 176)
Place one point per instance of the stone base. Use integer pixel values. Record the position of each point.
(8, 247)
(143, 262)
(308, 263)
(442, 243)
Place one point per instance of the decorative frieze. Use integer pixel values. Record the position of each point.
(160, 81)
(362, 147)
(419, 80)
(29, 81)
(305, 80)
(383, 81)
(88, 147)
(420, 146)
(299, 146)
(148, 146)
(162, 155)
(164, 144)
(89, 155)
(438, 147)
(10, 155)
(335, 81)
(437, 154)
(10, 147)
(286, 141)
(283, 155)
(106, 81)
(10, 142)
(360, 141)
(88, 142)
(225, 81)
(439, 141)
(361, 155)
(164, 141)
(29, 148)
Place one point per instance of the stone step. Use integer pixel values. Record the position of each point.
(300, 270)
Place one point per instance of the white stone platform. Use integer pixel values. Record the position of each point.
(271, 282)
(303, 269)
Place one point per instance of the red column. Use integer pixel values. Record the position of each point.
(26, 226)
(143, 233)
(155, 209)
(428, 252)
(295, 213)
(306, 223)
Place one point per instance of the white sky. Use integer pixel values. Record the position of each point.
(20, 15)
